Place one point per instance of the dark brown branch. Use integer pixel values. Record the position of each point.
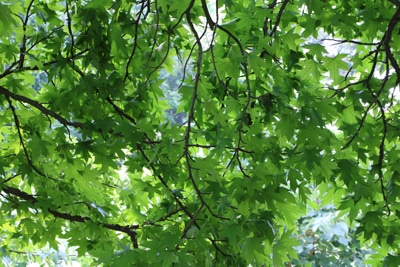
(382, 155)
(191, 117)
(194, 98)
(30, 254)
(384, 135)
(110, 101)
(214, 146)
(44, 38)
(22, 49)
(135, 38)
(247, 105)
(185, 231)
(210, 22)
(154, 36)
(186, 65)
(387, 39)
(21, 139)
(10, 178)
(374, 63)
(127, 229)
(48, 112)
(40, 107)
(70, 29)
(164, 218)
(338, 42)
(361, 124)
(278, 18)
(191, 111)
(161, 62)
(11, 69)
(120, 111)
(164, 183)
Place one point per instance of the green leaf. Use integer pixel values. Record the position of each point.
(282, 247)
(334, 65)
(310, 69)
(253, 249)
(6, 19)
(391, 261)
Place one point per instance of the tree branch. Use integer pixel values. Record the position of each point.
(338, 42)
(21, 139)
(36, 104)
(22, 48)
(278, 18)
(127, 229)
(70, 29)
(135, 38)
(210, 22)
(191, 111)
(11, 69)
(386, 42)
(382, 155)
(247, 105)
(361, 124)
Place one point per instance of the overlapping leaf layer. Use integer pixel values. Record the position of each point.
(278, 100)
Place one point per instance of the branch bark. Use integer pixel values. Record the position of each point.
(130, 230)
(44, 110)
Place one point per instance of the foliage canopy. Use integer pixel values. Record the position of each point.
(281, 99)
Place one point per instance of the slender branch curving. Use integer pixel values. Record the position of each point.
(130, 230)
(40, 107)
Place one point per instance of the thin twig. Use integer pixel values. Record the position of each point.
(24, 37)
(135, 39)
(70, 29)
(339, 41)
(10, 178)
(192, 108)
(247, 105)
(387, 39)
(278, 18)
(21, 138)
(361, 124)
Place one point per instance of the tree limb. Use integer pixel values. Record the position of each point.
(36, 104)
(127, 229)
(386, 42)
